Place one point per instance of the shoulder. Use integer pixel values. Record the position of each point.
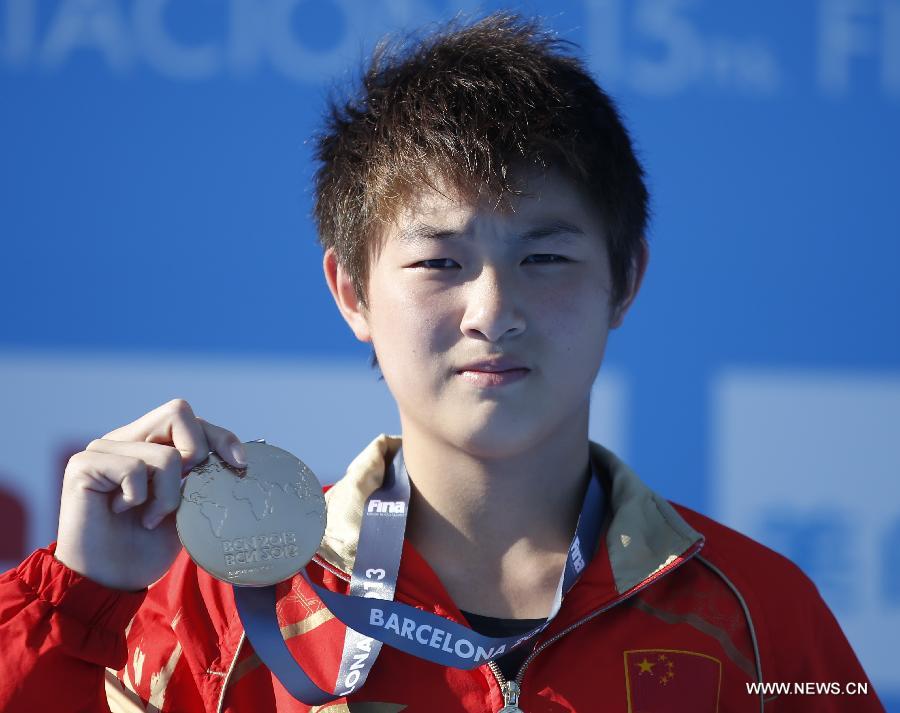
(770, 584)
(785, 609)
(743, 558)
(798, 636)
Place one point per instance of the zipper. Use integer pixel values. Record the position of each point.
(510, 692)
(512, 689)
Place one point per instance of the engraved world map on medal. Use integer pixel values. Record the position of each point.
(255, 526)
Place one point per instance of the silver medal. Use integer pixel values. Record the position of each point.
(256, 526)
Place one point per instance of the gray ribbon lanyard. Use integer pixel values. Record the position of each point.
(380, 543)
(373, 618)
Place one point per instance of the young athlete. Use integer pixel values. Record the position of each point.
(483, 219)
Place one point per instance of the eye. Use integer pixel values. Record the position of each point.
(547, 259)
(435, 263)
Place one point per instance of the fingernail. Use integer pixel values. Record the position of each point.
(237, 453)
(152, 522)
(119, 506)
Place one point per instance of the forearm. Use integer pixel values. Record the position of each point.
(58, 633)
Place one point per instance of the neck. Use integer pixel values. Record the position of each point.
(472, 515)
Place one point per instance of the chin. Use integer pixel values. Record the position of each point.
(493, 440)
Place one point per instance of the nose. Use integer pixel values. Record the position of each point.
(492, 311)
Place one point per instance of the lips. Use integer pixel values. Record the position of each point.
(496, 371)
(494, 365)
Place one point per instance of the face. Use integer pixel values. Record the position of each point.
(489, 325)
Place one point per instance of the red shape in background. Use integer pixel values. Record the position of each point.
(13, 521)
(15, 511)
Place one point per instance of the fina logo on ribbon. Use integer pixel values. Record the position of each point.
(577, 557)
(387, 507)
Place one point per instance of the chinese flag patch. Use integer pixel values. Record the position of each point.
(671, 681)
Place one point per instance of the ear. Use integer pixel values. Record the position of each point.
(640, 267)
(344, 295)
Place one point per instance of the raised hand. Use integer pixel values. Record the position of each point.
(119, 496)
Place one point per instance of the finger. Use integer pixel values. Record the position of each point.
(149, 423)
(165, 494)
(187, 435)
(110, 472)
(165, 465)
(155, 455)
(225, 443)
(173, 423)
(133, 490)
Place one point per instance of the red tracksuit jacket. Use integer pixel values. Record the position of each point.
(664, 619)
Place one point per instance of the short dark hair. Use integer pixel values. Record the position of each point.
(465, 103)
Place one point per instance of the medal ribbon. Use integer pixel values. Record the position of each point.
(371, 615)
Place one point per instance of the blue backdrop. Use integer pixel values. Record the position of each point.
(155, 204)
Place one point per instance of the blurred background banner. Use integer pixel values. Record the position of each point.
(156, 239)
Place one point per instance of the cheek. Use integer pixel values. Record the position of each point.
(574, 312)
(408, 326)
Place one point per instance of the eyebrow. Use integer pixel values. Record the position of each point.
(553, 229)
(420, 232)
